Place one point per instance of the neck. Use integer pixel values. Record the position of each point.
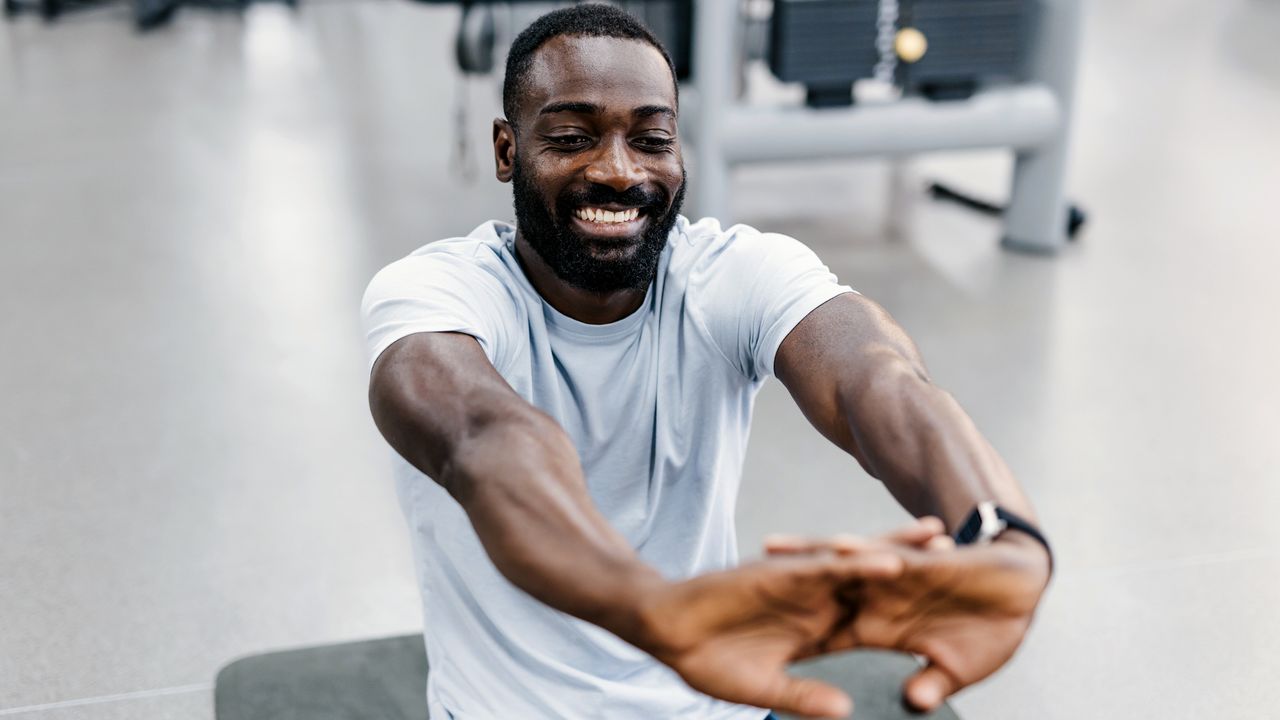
(581, 305)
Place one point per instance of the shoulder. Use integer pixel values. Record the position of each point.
(478, 263)
(706, 251)
(481, 252)
(462, 285)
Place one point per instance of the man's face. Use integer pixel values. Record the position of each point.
(598, 177)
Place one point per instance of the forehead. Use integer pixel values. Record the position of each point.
(613, 72)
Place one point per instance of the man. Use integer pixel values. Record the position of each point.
(570, 398)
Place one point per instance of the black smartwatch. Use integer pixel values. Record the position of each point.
(988, 521)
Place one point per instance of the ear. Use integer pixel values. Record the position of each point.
(504, 149)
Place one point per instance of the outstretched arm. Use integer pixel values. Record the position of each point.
(443, 407)
(860, 380)
(439, 402)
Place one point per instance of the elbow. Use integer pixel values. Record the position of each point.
(482, 454)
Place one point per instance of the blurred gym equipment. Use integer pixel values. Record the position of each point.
(1030, 114)
(147, 14)
(941, 49)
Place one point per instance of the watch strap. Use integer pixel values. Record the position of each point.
(982, 516)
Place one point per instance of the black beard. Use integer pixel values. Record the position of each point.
(567, 252)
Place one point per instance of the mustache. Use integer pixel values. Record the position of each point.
(636, 196)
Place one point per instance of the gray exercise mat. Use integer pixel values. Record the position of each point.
(874, 679)
(368, 680)
(386, 680)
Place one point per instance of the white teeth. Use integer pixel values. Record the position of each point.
(607, 216)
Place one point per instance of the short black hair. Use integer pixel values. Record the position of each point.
(585, 20)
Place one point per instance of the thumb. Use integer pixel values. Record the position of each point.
(928, 688)
(809, 697)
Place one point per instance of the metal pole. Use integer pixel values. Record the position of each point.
(1026, 116)
(1036, 220)
(715, 26)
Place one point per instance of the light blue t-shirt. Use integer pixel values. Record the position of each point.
(658, 405)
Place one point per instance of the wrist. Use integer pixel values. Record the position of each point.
(989, 521)
(1029, 545)
(633, 608)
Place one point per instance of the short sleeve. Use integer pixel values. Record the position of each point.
(753, 288)
(439, 290)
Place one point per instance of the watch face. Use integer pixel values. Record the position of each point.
(992, 524)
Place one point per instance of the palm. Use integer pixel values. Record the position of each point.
(738, 630)
(966, 610)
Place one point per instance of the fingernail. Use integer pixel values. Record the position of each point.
(941, 542)
(927, 695)
(847, 542)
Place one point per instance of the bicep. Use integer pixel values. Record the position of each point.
(430, 391)
(838, 352)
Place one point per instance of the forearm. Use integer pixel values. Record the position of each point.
(917, 440)
(520, 483)
(515, 473)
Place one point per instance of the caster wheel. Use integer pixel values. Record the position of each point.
(1076, 218)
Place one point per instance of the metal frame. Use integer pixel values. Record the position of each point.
(1032, 118)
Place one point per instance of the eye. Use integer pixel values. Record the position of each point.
(653, 143)
(568, 142)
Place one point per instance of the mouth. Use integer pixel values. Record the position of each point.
(610, 222)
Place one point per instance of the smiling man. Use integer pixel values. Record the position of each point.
(570, 398)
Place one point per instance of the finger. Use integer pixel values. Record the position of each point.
(788, 545)
(828, 574)
(928, 688)
(940, 542)
(868, 566)
(917, 533)
(808, 697)
(846, 544)
(842, 544)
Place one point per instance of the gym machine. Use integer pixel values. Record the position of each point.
(972, 74)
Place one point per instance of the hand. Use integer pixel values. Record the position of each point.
(965, 610)
(926, 533)
(732, 634)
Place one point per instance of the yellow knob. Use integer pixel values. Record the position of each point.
(910, 44)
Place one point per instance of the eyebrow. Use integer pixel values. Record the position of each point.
(586, 108)
(650, 110)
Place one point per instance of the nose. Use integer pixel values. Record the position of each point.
(612, 165)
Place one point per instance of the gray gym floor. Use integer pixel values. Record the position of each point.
(188, 473)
